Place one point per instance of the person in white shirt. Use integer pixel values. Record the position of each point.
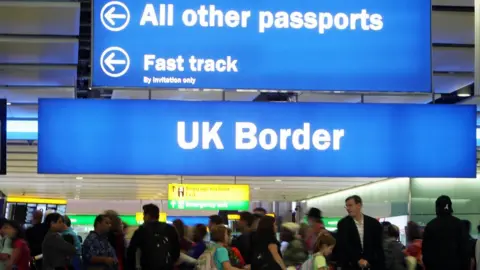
(359, 239)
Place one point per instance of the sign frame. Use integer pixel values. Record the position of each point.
(3, 136)
(320, 91)
(241, 203)
(271, 118)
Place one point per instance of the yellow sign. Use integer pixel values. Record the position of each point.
(35, 200)
(233, 217)
(271, 214)
(139, 217)
(197, 192)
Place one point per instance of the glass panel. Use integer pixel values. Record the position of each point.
(381, 199)
(423, 220)
(465, 195)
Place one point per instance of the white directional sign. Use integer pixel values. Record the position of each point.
(115, 62)
(115, 16)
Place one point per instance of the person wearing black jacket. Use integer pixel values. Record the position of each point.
(154, 245)
(244, 242)
(445, 240)
(359, 239)
(34, 236)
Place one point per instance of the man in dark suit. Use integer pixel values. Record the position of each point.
(359, 239)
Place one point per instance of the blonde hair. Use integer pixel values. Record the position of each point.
(324, 238)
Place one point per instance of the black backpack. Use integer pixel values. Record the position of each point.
(263, 260)
(156, 247)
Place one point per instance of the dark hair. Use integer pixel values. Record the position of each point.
(199, 233)
(355, 198)
(467, 225)
(125, 225)
(216, 219)
(180, 227)
(478, 228)
(99, 219)
(392, 231)
(413, 231)
(152, 210)
(385, 225)
(265, 227)
(51, 218)
(217, 233)
(247, 217)
(17, 227)
(67, 220)
(260, 209)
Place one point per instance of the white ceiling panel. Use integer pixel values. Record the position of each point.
(22, 169)
(458, 3)
(39, 18)
(453, 27)
(31, 95)
(447, 83)
(27, 75)
(22, 111)
(453, 59)
(22, 50)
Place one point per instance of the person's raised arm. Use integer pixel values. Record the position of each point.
(273, 248)
(16, 253)
(91, 254)
(63, 246)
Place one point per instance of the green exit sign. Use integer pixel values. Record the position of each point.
(208, 205)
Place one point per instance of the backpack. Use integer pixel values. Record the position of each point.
(206, 261)
(263, 260)
(308, 264)
(155, 250)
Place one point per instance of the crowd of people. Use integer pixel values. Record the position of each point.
(360, 242)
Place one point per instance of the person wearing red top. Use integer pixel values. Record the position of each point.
(21, 253)
(116, 237)
(414, 243)
(316, 227)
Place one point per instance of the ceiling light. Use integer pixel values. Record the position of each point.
(77, 198)
(79, 178)
(9, 103)
(78, 186)
(463, 94)
(278, 180)
(256, 188)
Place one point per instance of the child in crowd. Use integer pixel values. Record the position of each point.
(323, 248)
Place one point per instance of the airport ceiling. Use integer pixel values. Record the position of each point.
(45, 51)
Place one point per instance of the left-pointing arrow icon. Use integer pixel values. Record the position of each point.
(115, 16)
(114, 62)
(111, 62)
(111, 16)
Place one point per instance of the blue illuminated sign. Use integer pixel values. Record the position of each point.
(329, 45)
(256, 139)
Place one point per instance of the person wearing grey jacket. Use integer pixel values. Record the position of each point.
(394, 256)
(56, 251)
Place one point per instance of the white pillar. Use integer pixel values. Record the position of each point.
(477, 48)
